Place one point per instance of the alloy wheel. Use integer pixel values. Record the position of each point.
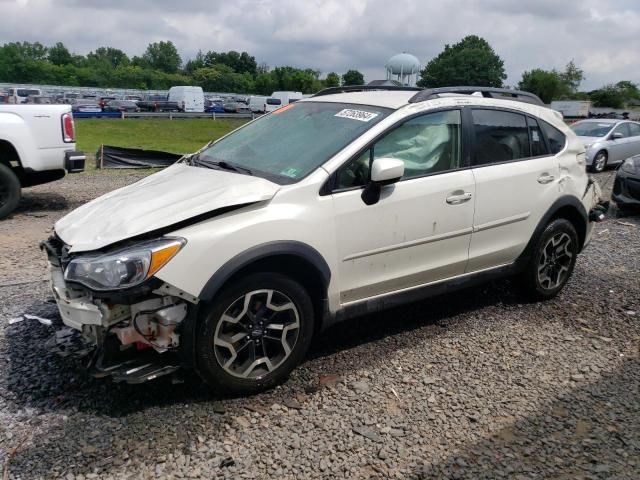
(600, 161)
(555, 261)
(256, 333)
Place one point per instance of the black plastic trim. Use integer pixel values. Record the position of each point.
(259, 252)
(387, 301)
(487, 92)
(564, 201)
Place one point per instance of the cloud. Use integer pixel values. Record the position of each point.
(336, 35)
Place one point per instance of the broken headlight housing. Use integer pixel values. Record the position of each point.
(123, 268)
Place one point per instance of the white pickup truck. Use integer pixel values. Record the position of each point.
(37, 145)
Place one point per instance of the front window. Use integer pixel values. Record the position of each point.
(591, 129)
(293, 141)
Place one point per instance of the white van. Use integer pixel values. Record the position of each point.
(287, 97)
(257, 104)
(20, 95)
(272, 104)
(189, 99)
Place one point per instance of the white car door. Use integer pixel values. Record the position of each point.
(516, 176)
(419, 230)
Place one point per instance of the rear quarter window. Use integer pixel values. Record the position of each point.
(555, 138)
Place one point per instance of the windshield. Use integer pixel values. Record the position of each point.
(291, 142)
(591, 129)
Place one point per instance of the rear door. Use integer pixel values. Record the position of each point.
(419, 230)
(516, 177)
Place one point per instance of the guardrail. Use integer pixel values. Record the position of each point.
(169, 115)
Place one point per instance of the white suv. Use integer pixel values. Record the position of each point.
(345, 203)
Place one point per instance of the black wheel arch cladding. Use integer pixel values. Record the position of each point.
(254, 255)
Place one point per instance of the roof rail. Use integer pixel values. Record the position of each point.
(488, 92)
(364, 88)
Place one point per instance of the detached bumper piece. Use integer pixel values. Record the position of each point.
(597, 213)
(74, 161)
(131, 366)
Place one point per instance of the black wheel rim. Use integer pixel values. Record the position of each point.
(555, 261)
(256, 334)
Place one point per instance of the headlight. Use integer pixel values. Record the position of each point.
(631, 165)
(587, 146)
(123, 268)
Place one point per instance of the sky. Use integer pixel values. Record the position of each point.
(601, 36)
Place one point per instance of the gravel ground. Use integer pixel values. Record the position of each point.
(472, 385)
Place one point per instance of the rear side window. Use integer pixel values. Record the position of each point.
(554, 136)
(538, 147)
(273, 101)
(500, 136)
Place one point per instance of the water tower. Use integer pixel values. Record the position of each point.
(403, 67)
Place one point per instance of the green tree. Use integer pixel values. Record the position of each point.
(353, 77)
(471, 61)
(608, 96)
(628, 90)
(162, 56)
(332, 80)
(572, 77)
(195, 63)
(239, 62)
(548, 85)
(60, 55)
(108, 57)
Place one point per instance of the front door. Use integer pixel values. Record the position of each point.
(419, 231)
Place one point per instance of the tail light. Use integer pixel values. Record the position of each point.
(68, 128)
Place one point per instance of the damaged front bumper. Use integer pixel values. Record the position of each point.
(134, 336)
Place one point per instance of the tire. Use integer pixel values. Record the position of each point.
(232, 343)
(599, 162)
(551, 265)
(9, 191)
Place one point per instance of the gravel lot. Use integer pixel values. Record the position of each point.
(472, 385)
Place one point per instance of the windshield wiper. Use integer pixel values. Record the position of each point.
(220, 164)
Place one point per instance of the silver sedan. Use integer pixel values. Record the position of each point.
(608, 141)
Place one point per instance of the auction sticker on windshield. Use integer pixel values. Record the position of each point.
(359, 115)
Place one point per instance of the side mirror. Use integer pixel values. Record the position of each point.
(617, 136)
(384, 171)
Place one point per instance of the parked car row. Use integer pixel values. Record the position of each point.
(608, 141)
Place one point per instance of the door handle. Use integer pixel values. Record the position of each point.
(457, 199)
(546, 178)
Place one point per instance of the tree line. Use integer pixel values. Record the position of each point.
(472, 61)
(158, 68)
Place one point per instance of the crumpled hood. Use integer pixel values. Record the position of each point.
(178, 193)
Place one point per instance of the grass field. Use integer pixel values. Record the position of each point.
(176, 136)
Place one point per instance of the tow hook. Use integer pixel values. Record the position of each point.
(597, 213)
